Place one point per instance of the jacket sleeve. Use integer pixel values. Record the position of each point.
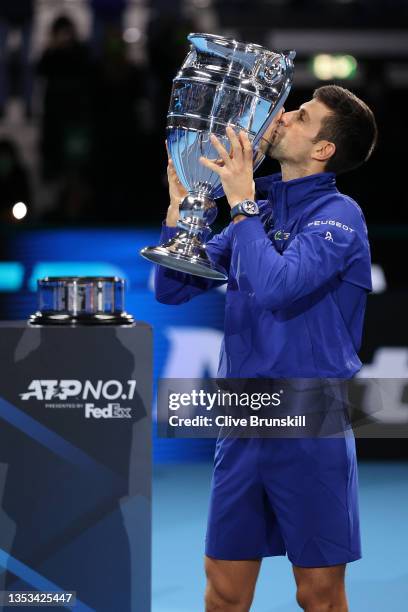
(316, 255)
(173, 287)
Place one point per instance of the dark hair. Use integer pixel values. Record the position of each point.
(351, 127)
(62, 23)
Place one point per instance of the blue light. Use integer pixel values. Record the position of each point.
(73, 268)
(11, 276)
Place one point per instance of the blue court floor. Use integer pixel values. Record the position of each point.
(377, 583)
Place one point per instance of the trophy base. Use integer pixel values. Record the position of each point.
(60, 318)
(185, 254)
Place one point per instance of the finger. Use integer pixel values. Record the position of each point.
(236, 147)
(275, 122)
(221, 150)
(167, 149)
(212, 165)
(245, 144)
(174, 180)
(171, 172)
(278, 117)
(279, 114)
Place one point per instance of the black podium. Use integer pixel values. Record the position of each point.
(75, 463)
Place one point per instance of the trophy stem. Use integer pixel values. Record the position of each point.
(186, 251)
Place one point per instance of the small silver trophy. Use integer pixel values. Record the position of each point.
(81, 300)
(222, 83)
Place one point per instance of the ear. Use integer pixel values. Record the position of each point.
(323, 150)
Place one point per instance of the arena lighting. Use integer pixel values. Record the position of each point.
(132, 35)
(19, 210)
(326, 66)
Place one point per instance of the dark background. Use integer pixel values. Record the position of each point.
(92, 79)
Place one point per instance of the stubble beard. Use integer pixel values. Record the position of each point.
(273, 148)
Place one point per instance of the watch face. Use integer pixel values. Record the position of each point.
(250, 207)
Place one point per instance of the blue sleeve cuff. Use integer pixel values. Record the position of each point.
(167, 232)
(249, 229)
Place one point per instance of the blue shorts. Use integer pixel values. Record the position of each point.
(285, 496)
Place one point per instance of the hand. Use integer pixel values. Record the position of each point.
(177, 193)
(235, 168)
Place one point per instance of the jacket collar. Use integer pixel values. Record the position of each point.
(297, 191)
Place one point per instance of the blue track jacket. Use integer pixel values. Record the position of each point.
(298, 277)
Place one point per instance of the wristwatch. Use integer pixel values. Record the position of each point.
(249, 208)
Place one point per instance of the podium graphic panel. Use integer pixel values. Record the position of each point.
(75, 463)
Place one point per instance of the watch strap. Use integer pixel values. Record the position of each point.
(239, 209)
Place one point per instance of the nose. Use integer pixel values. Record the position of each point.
(285, 119)
(280, 115)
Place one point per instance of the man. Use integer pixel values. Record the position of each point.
(16, 16)
(298, 264)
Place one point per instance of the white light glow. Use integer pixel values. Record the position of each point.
(326, 66)
(19, 210)
(323, 66)
(132, 35)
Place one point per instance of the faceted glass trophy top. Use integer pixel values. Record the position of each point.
(252, 64)
(221, 83)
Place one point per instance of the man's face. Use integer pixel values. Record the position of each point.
(292, 137)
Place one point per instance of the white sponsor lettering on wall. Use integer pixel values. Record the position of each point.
(193, 352)
(384, 401)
